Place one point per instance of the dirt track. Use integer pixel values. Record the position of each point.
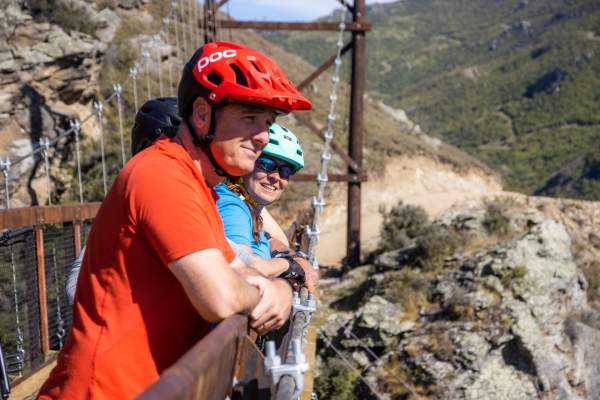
(417, 180)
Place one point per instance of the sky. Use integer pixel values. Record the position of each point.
(284, 10)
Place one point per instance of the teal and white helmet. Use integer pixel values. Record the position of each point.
(284, 145)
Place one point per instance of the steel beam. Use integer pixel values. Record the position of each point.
(323, 67)
(221, 3)
(330, 178)
(310, 125)
(357, 26)
(356, 134)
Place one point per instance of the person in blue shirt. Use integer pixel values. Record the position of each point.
(242, 204)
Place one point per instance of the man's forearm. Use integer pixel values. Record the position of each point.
(215, 289)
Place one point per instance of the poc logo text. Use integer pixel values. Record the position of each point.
(214, 57)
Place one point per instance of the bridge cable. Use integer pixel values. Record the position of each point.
(348, 332)
(20, 354)
(318, 201)
(348, 363)
(175, 31)
(184, 38)
(215, 20)
(45, 146)
(76, 127)
(146, 63)
(157, 45)
(118, 90)
(196, 23)
(99, 113)
(5, 165)
(166, 22)
(229, 18)
(133, 72)
(60, 331)
(190, 25)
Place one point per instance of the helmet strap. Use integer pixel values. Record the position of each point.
(204, 142)
(238, 186)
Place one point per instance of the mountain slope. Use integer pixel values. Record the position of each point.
(513, 83)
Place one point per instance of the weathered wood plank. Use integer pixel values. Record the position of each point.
(24, 216)
(206, 370)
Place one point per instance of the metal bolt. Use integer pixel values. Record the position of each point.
(299, 357)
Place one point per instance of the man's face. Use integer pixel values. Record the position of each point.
(241, 133)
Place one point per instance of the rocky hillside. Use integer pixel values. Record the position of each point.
(513, 83)
(58, 58)
(55, 59)
(486, 303)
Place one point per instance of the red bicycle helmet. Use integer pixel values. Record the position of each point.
(225, 71)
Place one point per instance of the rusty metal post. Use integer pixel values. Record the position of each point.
(41, 281)
(77, 238)
(210, 21)
(356, 134)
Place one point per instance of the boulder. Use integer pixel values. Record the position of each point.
(381, 315)
(395, 259)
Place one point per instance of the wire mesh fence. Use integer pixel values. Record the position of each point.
(20, 322)
(19, 304)
(59, 253)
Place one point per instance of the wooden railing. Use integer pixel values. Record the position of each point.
(208, 369)
(36, 217)
(225, 361)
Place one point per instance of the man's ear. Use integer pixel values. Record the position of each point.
(200, 116)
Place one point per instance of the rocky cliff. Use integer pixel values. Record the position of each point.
(505, 316)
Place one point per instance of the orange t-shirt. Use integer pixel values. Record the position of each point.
(131, 317)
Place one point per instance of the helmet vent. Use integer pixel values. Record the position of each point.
(240, 78)
(256, 66)
(215, 78)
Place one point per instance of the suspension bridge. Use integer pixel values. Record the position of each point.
(39, 243)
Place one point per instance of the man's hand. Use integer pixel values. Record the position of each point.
(274, 307)
(310, 274)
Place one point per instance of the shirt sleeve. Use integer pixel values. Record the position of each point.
(237, 220)
(174, 211)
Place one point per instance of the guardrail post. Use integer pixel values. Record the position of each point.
(41, 280)
(77, 238)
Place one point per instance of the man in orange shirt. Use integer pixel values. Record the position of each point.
(157, 266)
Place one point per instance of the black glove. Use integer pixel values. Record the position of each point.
(294, 271)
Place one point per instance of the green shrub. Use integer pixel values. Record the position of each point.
(510, 277)
(401, 226)
(68, 17)
(409, 288)
(495, 221)
(434, 245)
(336, 381)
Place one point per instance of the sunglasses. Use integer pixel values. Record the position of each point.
(269, 165)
